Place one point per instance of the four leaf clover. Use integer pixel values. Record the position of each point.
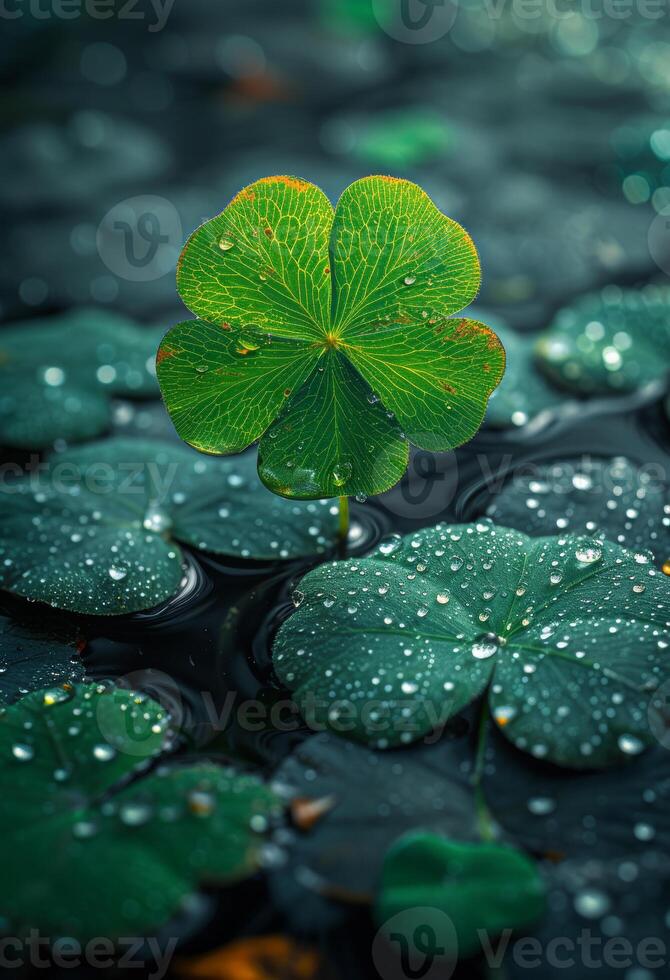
(327, 335)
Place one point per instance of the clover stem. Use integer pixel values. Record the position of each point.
(486, 823)
(343, 530)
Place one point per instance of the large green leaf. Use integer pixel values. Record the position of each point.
(566, 636)
(608, 498)
(71, 819)
(98, 532)
(481, 888)
(32, 656)
(333, 326)
(609, 342)
(62, 371)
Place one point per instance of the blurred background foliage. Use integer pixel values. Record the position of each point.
(541, 125)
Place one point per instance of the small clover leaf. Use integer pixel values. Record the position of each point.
(327, 335)
(567, 635)
(99, 532)
(63, 371)
(482, 888)
(72, 816)
(611, 342)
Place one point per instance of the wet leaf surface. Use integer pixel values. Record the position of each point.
(524, 392)
(98, 532)
(72, 816)
(32, 657)
(566, 635)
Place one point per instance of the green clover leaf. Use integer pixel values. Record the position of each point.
(79, 808)
(482, 888)
(328, 336)
(567, 636)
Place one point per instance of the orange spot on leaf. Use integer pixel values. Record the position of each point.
(165, 352)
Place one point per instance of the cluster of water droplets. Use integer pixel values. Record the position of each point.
(607, 498)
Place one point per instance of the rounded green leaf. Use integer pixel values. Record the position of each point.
(223, 388)
(334, 437)
(264, 261)
(396, 257)
(482, 888)
(436, 377)
(98, 532)
(34, 656)
(609, 342)
(329, 333)
(57, 375)
(72, 819)
(607, 498)
(565, 634)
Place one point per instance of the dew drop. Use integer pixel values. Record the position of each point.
(587, 554)
(591, 903)
(630, 744)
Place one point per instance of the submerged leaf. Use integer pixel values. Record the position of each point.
(32, 657)
(63, 370)
(313, 321)
(97, 533)
(70, 818)
(374, 800)
(484, 889)
(567, 636)
(607, 498)
(609, 342)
